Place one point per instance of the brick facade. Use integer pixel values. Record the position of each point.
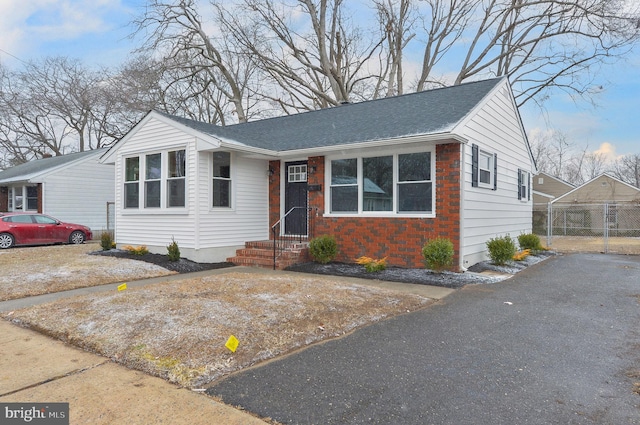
(39, 197)
(398, 239)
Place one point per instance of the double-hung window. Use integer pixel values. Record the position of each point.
(152, 180)
(483, 168)
(10, 200)
(524, 192)
(221, 179)
(401, 184)
(131, 182)
(176, 178)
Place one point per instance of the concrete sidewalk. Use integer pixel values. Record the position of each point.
(36, 368)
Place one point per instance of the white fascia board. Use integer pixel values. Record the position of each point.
(439, 138)
(19, 179)
(544, 195)
(109, 157)
(210, 143)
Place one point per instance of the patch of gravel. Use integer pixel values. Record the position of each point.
(181, 266)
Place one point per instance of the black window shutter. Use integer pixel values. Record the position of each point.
(474, 165)
(519, 183)
(529, 177)
(495, 171)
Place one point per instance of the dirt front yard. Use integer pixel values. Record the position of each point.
(178, 330)
(40, 270)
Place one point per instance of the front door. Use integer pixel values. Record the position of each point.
(295, 198)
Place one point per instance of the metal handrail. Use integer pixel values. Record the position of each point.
(279, 241)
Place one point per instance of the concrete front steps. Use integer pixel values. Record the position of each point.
(260, 254)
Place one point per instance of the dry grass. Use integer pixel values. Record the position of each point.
(41, 270)
(616, 245)
(178, 330)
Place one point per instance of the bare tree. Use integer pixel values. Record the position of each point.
(594, 164)
(49, 107)
(627, 169)
(444, 22)
(203, 65)
(316, 63)
(396, 19)
(549, 43)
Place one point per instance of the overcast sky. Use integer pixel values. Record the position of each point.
(96, 31)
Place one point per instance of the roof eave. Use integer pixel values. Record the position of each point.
(438, 138)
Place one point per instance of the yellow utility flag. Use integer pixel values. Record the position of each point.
(122, 287)
(232, 343)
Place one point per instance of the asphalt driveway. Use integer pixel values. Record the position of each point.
(559, 343)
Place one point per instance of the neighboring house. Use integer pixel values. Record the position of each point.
(546, 188)
(603, 199)
(600, 190)
(382, 176)
(73, 188)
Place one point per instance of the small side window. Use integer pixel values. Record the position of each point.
(484, 168)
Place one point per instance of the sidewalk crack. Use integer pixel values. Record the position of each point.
(55, 378)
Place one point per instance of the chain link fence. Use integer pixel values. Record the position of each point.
(605, 227)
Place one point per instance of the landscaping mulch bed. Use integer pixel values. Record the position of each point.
(181, 266)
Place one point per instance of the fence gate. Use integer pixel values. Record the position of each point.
(607, 227)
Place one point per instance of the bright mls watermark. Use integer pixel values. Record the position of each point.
(34, 413)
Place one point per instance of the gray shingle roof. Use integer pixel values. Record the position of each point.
(31, 168)
(423, 113)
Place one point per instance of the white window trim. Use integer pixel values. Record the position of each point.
(231, 179)
(393, 213)
(525, 181)
(22, 192)
(482, 153)
(142, 172)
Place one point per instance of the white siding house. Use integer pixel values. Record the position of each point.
(73, 188)
(383, 177)
(488, 210)
(204, 232)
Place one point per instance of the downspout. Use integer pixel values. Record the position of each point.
(196, 175)
(463, 146)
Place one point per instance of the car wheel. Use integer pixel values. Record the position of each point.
(6, 240)
(77, 237)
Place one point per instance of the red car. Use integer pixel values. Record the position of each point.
(39, 229)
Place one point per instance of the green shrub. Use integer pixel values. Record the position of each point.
(323, 249)
(173, 251)
(529, 241)
(106, 241)
(501, 249)
(438, 254)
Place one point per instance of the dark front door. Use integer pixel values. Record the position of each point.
(295, 198)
